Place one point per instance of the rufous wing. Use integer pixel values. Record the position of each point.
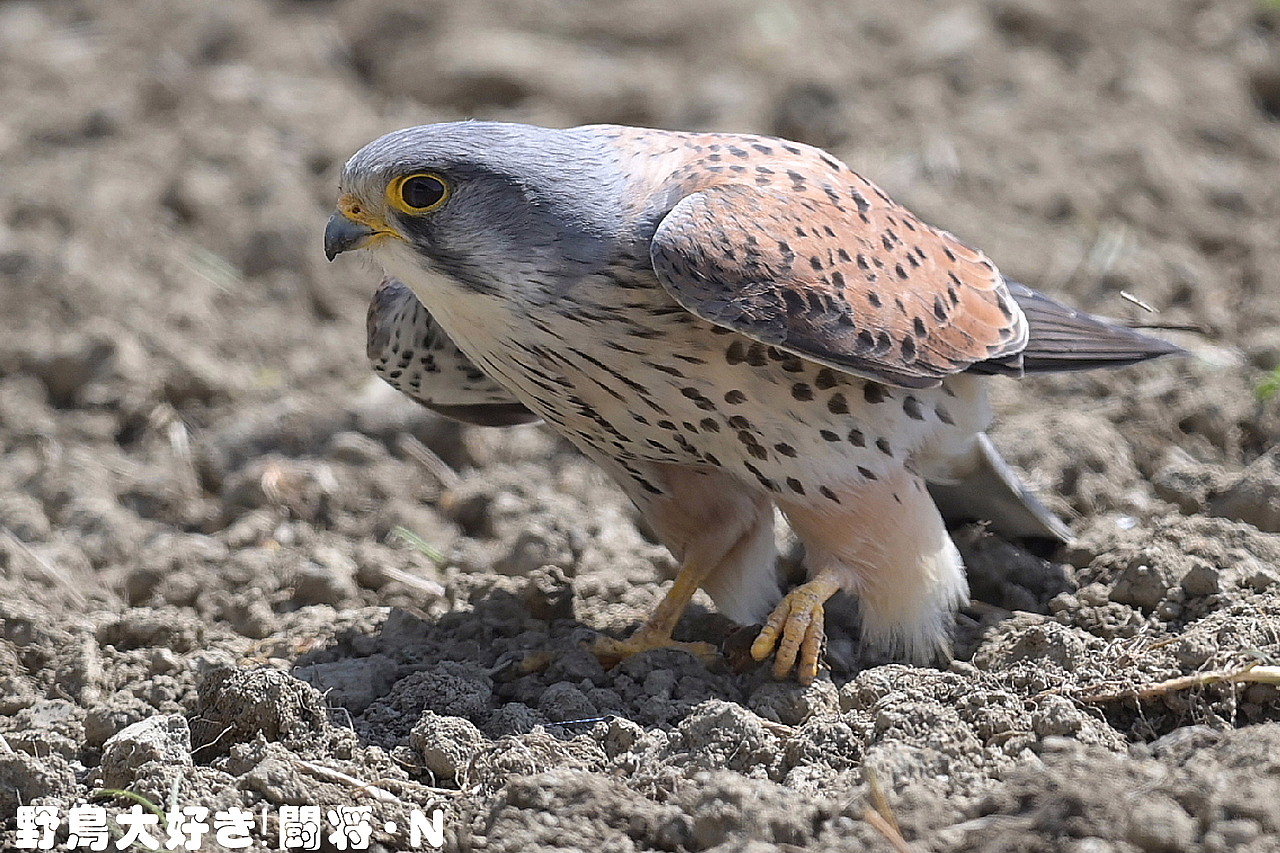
(865, 288)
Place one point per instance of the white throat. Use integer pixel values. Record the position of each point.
(476, 322)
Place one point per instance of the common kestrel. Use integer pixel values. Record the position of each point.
(725, 324)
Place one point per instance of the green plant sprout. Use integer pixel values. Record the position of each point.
(1269, 387)
(134, 796)
(420, 544)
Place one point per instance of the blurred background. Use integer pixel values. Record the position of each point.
(198, 467)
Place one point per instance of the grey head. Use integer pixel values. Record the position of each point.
(504, 203)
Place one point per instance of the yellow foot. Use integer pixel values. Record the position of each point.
(795, 630)
(612, 652)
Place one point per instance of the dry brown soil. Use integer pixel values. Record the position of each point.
(200, 584)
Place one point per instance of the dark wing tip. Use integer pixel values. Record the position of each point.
(1062, 338)
(486, 414)
(991, 491)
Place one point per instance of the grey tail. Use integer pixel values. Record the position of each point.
(1061, 338)
(988, 490)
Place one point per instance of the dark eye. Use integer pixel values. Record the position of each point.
(420, 193)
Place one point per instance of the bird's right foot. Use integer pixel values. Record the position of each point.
(794, 632)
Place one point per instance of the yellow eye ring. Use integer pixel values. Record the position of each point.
(421, 192)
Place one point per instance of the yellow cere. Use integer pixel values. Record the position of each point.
(351, 207)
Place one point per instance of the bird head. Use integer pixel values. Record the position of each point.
(488, 205)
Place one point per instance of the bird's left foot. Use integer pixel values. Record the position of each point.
(612, 652)
(794, 632)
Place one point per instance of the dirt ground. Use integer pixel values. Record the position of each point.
(202, 586)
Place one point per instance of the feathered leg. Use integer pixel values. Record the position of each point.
(721, 531)
(885, 542)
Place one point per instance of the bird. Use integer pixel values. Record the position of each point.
(729, 325)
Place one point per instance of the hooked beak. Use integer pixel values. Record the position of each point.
(343, 234)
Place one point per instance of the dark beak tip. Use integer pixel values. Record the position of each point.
(342, 234)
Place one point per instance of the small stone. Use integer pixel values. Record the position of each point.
(1186, 483)
(120, 711)
(618, 735)
(1262, 577)
(25, 777)
(1093, 595)
(1201, 579)
(726, 813)
(512, 718)
(446, 744)
(1184, 741)
(576, 665)
(659, 683)
(548, 594)
(1157, 824)
(328, 579)
(562, 702)
(353, 683)
(721, 735)
(47, 726)
(471, 509)
(1255, 497)
(147, 627)
(449, 687)
(236, 705)
(163, 738)
(162, 660)
(1055, 715)
(1193, 650)
(402, 628)
(250, 615)
(1143, 583)
(1036, 639)
(533, 549)
(1063, 602)
(791, 704)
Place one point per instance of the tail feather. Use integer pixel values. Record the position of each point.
(987, 489)
(1061, 338)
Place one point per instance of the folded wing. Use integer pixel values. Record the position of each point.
(863, 286)
(866, 289)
